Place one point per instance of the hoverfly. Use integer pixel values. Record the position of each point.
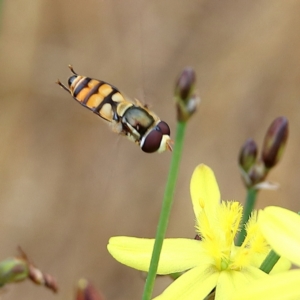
(129, 118)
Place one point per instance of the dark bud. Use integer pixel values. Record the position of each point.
(50, 282)
(86, 291)
(274, 143)
(13, 270)
(248, 155)
(186, 100)
(40, 278)
(185, 84)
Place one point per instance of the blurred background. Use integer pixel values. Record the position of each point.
(67, 183)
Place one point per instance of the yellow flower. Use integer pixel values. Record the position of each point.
(212, 262)
(281, 229)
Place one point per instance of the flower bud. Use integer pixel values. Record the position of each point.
(50, 282)
(86, 291)
(13, 270)
(185, 84)
(274, 143)
(186, 100)
(248, 155)
(40, 278)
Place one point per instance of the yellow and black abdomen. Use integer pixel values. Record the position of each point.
(99, 96)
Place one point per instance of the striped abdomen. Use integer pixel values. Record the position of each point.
(99, 96)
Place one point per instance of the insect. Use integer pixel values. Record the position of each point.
(129, 118)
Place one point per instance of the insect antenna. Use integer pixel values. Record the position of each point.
(72, 70)
(62, 85)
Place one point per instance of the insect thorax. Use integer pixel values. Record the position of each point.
(136, 122)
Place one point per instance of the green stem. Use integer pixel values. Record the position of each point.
(269, 262)
(249, 205)
(166, 209)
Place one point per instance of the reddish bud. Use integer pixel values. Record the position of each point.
(86, 291)
(248, 155)
(185, 84)
(40, 278)
(274, 143)
(51, 283)
(186, 101)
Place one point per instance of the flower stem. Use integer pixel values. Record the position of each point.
(269, 262)
(166, 209)
(249, 205)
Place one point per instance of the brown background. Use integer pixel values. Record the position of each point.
(67, 183)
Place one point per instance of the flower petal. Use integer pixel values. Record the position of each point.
(281, 229)
(229, 281)
(196, 283)
(177, 254)
(204, 190)
(283, 286)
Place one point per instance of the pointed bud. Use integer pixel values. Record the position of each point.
(86, 291)
(186, 100)
(40, 278)
(248, 155)
(185, 83)
(13, 270)
(50, 282)
(274, 142)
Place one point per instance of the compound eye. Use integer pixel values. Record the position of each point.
(164, 127)
(152, 141)
(71, 79)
